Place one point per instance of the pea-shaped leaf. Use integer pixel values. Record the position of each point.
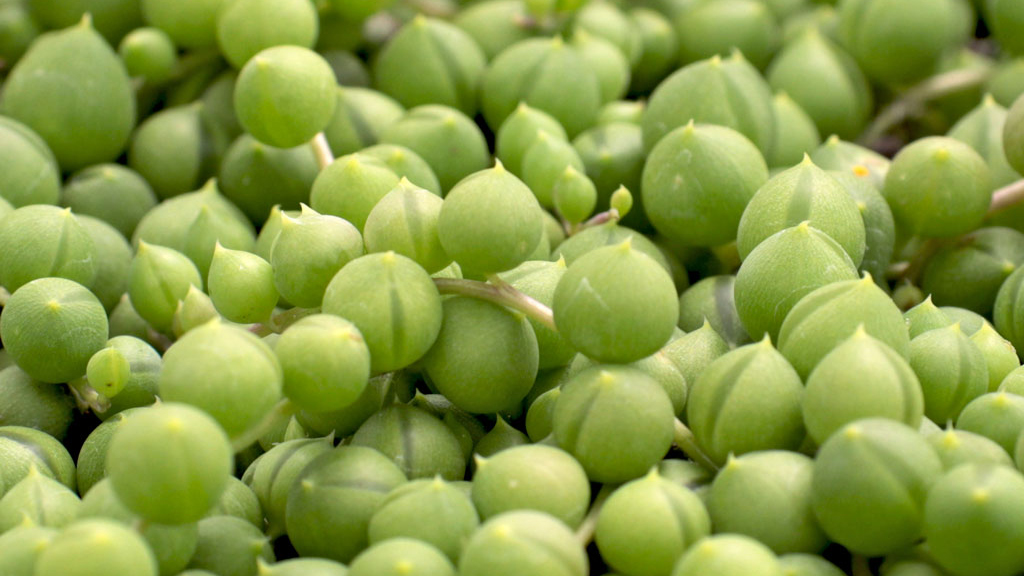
(802, 193)
(169, 463)
(767, 496)
(407, 164)
(405, 220)
(387, 286)
(94, 546)
(308, 252)
(400, 556)
(326, 362)
(245, 27)
(490, 222)
(194, 223)
(51, 327)
(271, 475)
(467, 350)
(544, 162)
(920, 30)
(241, 285)
(982, 129)
(673, 519)
(172, 545)
(728, 92)
(45, 241)
(502, 436)
(72, 89)
(998, 416)
(28, 171)
(40, 500)
(332, 500)
(159, 278)
(711, 300)
(879, 227)
(659, 45)
(420, 444)
(836, 154)
(224, 370)
(828, 315)
(938, 187)
(285, 95)
(359, 118)
(795, 132)
(33, 404)
(615, 420)
(825, 81)
(175, 149)
(999, 354)
(255, 177)
(430, 61)
(494, 25)
(869, 485)
(746, 400)
(519, 131)
(728, 555)
(957, 447)
(616, 304)
(446, 138)
(351, 186)
(112, 193)
(692, 353)
(608, 234)
(540, 543)
(20, 548)
(969, 272)
(951, 369)
(539, 71)
(783, 269)
(430, 510)
(1009, 309)
(697, 181)
(148, 53)
(533, 477)
(924, 317)
(882, 385)
(972, 516)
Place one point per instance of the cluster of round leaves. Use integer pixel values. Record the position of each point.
(416, 355)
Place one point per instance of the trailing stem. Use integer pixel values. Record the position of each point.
(914, 99)
(499, 292)
(322, 150)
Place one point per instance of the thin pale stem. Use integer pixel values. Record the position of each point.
(686, 442)
(4, 297)
(322, 150)
(502, 294)
(914, 99)
(598, 219)
(1007, 196)
(280, 413)
(585, 532)
(87, 398)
